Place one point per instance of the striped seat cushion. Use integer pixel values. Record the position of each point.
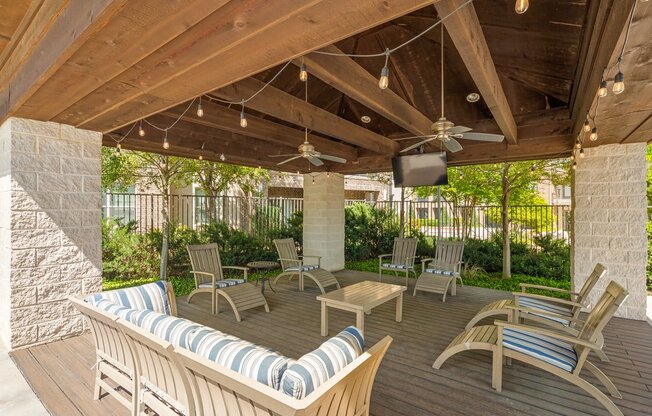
(304, 268)
(551, 307)
(174, 330)
(440, 272)
(220, 284)
(548, 349)
(395, 266)
(117, 310)
(250, 360)
(315, 368)
(151, 296)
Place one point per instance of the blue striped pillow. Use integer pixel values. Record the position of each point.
(151, 296)
(315, 368)
(250, 360)
(174, 330)
(114, 309)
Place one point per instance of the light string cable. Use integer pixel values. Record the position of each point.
(246, 100)
(123, 136)
(165, 129)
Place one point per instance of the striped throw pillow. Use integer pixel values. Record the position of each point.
(258, 363)
(151, 296)
(315, 368)
(114, 309)
(174, 330)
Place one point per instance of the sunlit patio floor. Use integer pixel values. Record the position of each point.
(60, 372)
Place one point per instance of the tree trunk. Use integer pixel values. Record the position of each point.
(507, 261)
(401, 228)
(166, 234)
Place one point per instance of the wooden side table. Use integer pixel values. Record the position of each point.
(263, 267)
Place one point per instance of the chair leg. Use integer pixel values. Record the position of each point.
(97, 392)
(497, 366)
(611, 387)
(461, 281)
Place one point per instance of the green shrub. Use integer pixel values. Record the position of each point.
(649, 255)
(127, 255)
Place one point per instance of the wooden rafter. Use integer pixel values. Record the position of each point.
(464, 29)
(287, 107)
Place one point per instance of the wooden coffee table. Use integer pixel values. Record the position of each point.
(360, 298)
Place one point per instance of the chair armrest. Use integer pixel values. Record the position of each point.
(543, 313)
(205, 273)
(244, 269)
(384, 255)
(294, 260)
(312, 257)
(525, 286)
(548, 299)
(549, 333)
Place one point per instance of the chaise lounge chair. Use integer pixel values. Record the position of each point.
(209, 278)
(403, 255)
(442, 272)
(293, 264)
(556, 352)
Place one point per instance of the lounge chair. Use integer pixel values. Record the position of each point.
(556, 352)
(402, 258)
(442, 272)
(544, 309)
(209, 278)
(293, 264)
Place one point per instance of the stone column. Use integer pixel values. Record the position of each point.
(608, 221)
(323, 218)
(50, 228)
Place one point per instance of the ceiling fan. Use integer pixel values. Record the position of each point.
(307, 150)
(444, 130)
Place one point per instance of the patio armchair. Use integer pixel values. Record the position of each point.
(293, 265)
(442, 272)
(402, 258)
(208, 270)
(556, 352)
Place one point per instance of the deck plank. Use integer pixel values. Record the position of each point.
(406, 384)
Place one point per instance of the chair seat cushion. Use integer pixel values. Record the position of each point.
(396, 266)
(221, 284)
(174, 330)
(550, 350)
(150, 296)
(258, 363)
(551, 307)
(115, 309)
(440, 272)
(313, 369)
(304, 268)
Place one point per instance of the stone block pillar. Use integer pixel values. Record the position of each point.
(50, 228)
(608, 221)
(323, 219)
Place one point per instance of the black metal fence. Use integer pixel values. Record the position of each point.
(260, 215)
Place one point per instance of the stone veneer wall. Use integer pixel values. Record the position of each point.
(609, 218)
(50, 228)
(323, 219)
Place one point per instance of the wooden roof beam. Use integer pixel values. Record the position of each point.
(287, 107)
(464, 29)
(347, 76)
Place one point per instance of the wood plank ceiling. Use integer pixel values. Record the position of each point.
(105, 65)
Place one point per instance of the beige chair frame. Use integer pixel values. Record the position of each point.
(403, 253)
(448, 257)
(490, 338)
(288, 257)
(115, 361)
(207, 268)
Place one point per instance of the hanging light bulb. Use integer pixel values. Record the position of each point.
(328, 174)
(200, 110)
(572, 156)
(313, 180)
(166, 144)
(243, 117)
(118, 149)
(578, 145)
(521, 6)
(602, 91)
(383, 82)
(201, 150)
(574, 165)
(200, 157)
(581, 153)
(587, 125)
(303, 73)
(141, 131)
(594, 134)
(222, 157)
(619, 83)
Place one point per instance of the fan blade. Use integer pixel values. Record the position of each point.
(484, 137)
(414, 146)
(423, 136)
(289, 160)
(332, 158)
(315, 161)
(452, 145)
(293, 154)
(458, 129)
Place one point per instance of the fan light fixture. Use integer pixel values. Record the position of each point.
(365, 119)
(473, 97)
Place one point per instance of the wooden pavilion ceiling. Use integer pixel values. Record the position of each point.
(106, 64)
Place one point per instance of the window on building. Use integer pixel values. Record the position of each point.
(120, 205)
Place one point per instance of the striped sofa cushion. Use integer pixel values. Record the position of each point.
(174, 330)
(440, 272)
(304, 268)
(117, 310)
(258, 363)
(395, 266)
(221, 284)
(151, 296)
(551, 307)
(313, 369)
(548, 349)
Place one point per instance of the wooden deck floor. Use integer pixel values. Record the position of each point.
(61, 374)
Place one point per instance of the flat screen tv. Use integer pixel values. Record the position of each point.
(420, 170)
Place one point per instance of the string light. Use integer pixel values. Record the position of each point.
(222, 157)
(243, 116)
(521, 6)
(141, 130)
(313, 180)
(201, 156)
(383, 82)
(587, 125)
(118, 149)
(581, 153)
(578, 145)
(328, 174)
(594, 134)
(572, 156)
(166, 144)
(619, 82)
(303, 73)
(200, 111)
(602, 91)
(574, 165)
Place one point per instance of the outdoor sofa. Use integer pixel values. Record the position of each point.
(175, 366)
